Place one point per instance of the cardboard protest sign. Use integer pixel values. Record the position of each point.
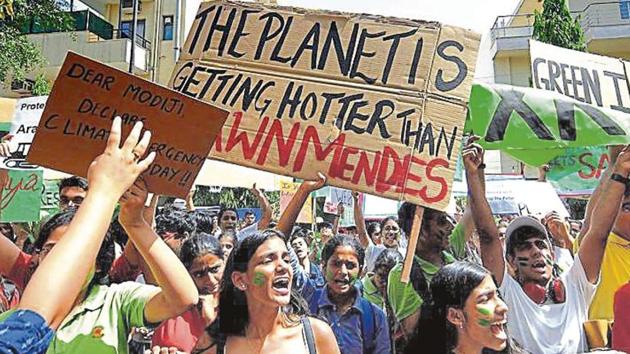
(20, 198)
(593, 79)
(50, 195)
(377, 104)
(26, 117)
(336, 196)
(578, 171)
(287, 191)
(87, 96)
(535, 126)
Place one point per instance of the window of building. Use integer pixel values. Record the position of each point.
(167, 28)
(624, 9)
(125, 29)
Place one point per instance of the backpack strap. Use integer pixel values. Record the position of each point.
(308, 335)
(368, 325)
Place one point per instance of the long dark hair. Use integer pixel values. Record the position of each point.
(450, 288)
(106, 253)
(199, 245)
(233, 313)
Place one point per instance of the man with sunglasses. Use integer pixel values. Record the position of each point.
(546, 310)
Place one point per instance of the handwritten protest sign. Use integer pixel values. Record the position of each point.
(535, 126)
(336, 196)
(578, 171)
(88, 95)
(377, 104)
(26, 117)
(593, 79)
(287, 191)
(20, 200)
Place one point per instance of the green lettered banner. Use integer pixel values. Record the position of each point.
(21, 195)
(50, 196)
(578, 171)
(535, 126)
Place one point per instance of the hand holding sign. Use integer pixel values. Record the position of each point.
(132, 204)
(472, 154)
(116, 168)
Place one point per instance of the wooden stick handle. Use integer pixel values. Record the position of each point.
(413, 241)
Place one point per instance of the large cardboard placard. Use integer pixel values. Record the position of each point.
(21, 194)
(377, 104)
(86, 97)
(594, 79)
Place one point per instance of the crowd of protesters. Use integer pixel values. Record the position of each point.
(182, 280)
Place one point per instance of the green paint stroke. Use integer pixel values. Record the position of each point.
(548, 261)
(484, 311)
(329, 275)
(484, 323)
(353, 279)
(259, 279)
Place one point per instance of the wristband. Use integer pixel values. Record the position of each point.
(619, 178)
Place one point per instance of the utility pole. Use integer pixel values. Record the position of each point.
(134, 23)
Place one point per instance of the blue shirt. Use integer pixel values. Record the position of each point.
(24, 331)
(347, 327)
(315, 275)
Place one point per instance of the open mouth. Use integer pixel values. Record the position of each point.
(281, 285)
(539, 266)
(498, 329)
(342, 282)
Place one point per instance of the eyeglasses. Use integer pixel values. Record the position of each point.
(65, 201)
(391, 228)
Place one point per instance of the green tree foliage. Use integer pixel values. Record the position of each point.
(556, 26)
(19, 56)
(235, 198)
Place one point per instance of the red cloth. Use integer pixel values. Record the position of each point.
(22, 270)
(122, 271)
(181, 332)
(621, 327)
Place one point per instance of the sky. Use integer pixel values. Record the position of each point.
(476, 15)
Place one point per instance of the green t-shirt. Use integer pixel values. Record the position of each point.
(371, 293)
(403, 298)
(102, 322)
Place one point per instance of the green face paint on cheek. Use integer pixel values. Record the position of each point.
(484, 323)
(548, 261)
(484, 310)
(353, 278)
(259, 279)
(329, 275)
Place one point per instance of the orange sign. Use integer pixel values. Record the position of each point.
(86, 97)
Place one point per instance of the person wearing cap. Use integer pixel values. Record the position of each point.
(547, 311)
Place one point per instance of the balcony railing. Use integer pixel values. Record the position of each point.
(600, 14)
(141, 41)
(85, 20)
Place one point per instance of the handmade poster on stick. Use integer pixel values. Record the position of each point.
(87, 96)
(376, 104)
(26, 117)
(413, 241)
(287, 191)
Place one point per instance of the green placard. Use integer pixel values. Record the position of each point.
(21, 195)
(535, 126)
(577, 172)
(50, 196)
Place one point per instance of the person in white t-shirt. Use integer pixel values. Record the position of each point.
(547, 311)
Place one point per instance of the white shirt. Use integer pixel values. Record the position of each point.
(550, 328)
(372, 251)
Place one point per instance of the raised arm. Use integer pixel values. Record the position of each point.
(359, 221)
(613, 152)
(593, 245)
(9, 253)
(491, 248)
(178, 291)
(53, 288)
(263, 202)
(290, 214)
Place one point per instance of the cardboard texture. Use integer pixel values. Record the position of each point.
(376, 104)
(287, 191)
(593, 79)
(86, 97)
